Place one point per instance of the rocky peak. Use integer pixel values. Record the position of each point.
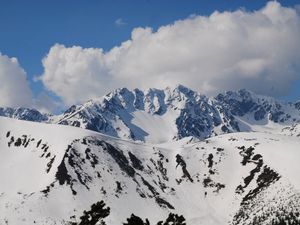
(24, 114)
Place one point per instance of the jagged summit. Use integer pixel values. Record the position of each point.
(163, 115)
(133, 114)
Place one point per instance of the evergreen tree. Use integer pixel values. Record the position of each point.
(95, 215)
(173, 219)
(135, 220)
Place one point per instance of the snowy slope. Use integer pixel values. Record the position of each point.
(50, 174)
(293, 130)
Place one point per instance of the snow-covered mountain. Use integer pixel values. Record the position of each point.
(24, 114)
(157, 116)
(172, 153)
(51, 174)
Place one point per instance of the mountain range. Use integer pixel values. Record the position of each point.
(158, 116)
(156, 155)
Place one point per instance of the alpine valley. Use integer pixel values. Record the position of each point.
(158, 157)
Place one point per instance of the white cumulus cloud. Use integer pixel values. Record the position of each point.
(14, 89)
(257, 50)
(76, 74)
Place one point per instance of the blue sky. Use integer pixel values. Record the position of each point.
(30, 28)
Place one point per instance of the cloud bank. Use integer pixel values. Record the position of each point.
(14, 89)
(257, 50)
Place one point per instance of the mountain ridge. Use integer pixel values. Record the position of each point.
(173, 113)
